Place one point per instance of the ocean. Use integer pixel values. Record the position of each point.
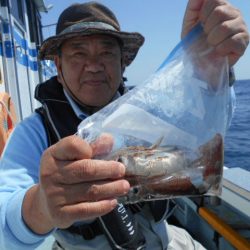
(237, 140)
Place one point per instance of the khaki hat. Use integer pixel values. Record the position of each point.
(87, 19)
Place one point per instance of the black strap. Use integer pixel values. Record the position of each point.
(87, 231)
(158, 209)
(122, 230)
(90, 231)
(231, 77)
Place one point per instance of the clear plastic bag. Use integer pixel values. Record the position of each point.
(169, 131)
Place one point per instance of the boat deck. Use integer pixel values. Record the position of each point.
(219, 222)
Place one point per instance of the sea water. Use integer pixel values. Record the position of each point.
(237, 141)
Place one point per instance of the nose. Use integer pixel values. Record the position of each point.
(94, 64)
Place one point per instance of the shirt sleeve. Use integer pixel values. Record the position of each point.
(19, 170)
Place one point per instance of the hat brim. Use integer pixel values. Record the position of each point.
(132, 41)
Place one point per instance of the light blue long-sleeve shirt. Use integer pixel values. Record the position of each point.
(19, 170)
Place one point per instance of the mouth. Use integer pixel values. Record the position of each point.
(94, 82)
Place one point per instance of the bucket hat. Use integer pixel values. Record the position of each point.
(87, 19)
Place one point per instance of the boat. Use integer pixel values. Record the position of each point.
(217, 222)
(20, 69)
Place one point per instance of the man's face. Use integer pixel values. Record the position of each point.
(91, 68)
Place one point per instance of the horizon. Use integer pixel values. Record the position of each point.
(160, 25)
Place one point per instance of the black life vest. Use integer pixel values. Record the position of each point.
(60, 121)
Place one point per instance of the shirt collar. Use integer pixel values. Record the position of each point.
(79, 113)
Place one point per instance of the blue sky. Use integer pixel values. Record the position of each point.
(159, 21)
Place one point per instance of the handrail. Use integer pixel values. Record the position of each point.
(224, 229)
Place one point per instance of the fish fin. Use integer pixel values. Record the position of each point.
(157, 143)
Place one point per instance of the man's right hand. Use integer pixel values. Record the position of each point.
(73, 186)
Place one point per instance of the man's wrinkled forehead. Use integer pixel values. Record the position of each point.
(103, 40)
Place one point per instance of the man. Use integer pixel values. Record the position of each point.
(50, 183)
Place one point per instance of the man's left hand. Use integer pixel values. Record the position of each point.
(225, 28)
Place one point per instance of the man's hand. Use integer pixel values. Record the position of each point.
(225, 28)
(73, 187)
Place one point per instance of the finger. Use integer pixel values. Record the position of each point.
(103, 145)
(219, 16)
(224, 32)
(72, 194)
(234, 47)
(209, 7)
(71, 148)
(86, 211)
(191, 16)
(90, 210)
(89, 170)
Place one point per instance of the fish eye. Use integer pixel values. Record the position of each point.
(120, 160)
(135, 190)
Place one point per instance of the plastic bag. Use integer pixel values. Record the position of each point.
(169, 131)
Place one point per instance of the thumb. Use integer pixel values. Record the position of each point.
(191, 17)
(71, 148)
(103, 145)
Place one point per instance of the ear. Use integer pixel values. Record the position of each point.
(57, 61)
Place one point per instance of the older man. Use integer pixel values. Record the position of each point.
(51, 183)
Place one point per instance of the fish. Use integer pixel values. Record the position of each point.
(159, 172)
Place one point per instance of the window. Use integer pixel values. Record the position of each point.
(4, 2)
(35, 25)
(17, 10)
